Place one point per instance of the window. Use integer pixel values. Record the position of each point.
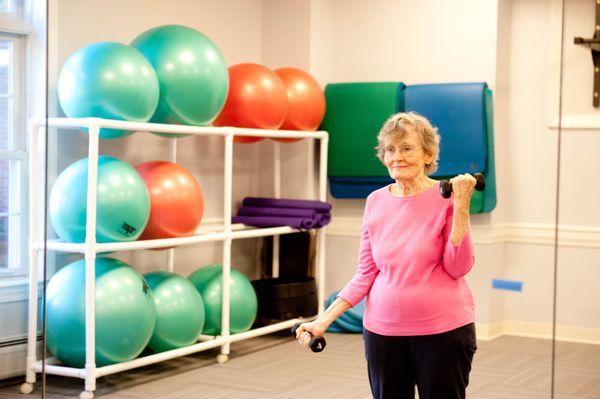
(12, 9)
(6, 6)
(13, 157)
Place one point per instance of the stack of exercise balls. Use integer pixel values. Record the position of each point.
(260, 98)
(159, 311)
(186, 308)
(170, 74)
(176, 75)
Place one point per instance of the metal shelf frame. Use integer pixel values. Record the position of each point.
(226, 233)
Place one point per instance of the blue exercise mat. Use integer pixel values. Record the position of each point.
(458, 111)
(356, 187)
(350, 321)
(346, 327)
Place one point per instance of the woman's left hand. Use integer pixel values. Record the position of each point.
(462, 189)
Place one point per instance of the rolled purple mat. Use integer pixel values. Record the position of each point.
(323, 219)
(319, 206)
(272, 221)
(294, 212)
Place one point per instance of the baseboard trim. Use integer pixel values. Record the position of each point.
(564, 333)
(13, 360)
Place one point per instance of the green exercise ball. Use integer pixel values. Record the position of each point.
(108, 80)
(179, 311)
(123, 203)
(243, 302)
(125, 314)
(191, 71)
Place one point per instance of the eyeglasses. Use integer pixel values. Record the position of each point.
(406, 150)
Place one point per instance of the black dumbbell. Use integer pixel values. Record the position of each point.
(446, 186)
(317, 344)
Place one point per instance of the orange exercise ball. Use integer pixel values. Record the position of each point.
(176, 200)
(306, 101)
(256, 99)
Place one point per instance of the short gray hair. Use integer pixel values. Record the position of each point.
(397, 126)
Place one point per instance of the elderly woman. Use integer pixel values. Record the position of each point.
(415, 250)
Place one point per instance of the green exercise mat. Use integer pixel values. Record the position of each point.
(489, 194)
(355, 113)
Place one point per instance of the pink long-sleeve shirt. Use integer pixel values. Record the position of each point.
(409, 270)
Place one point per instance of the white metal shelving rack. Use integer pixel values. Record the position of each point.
(225, 233)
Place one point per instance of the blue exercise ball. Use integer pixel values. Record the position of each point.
(108, 80)
(179, 311)
(125, 313)
(123, 203)
(191, 71)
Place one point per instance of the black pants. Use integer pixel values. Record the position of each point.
(438, 364)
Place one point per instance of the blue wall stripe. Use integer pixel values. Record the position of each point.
(509, 285)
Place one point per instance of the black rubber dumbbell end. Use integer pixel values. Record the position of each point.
(446, 186)
(317, 344)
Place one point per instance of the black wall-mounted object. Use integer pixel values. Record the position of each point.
(594, 45)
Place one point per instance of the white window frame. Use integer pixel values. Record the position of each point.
(17, 13)
(16, 27)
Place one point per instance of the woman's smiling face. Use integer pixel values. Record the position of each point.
(405, 158)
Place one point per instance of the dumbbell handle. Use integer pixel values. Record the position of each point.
(446, 186)
(317, 344)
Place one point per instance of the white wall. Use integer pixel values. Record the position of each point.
(532, 155)
(578, 297)
(286, 42)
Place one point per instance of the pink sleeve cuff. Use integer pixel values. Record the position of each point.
(459, 259)
(345, 295)
(349, 296)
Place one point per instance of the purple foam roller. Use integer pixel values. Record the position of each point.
(273, 221)
(319, 206)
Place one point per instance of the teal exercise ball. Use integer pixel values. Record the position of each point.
(125, 314)
(108, 80)
(123, 203)
(191, 72)
(243, 302)
(179, 311)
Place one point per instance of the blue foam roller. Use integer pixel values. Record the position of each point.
(333, 328)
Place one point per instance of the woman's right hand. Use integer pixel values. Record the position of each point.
(306, 331)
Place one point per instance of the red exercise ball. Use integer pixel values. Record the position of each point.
(306, 101)
(256, 99)
(176, 200)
